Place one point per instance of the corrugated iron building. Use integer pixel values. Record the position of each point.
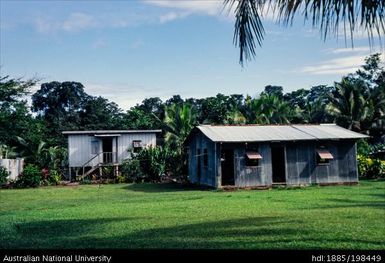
(263, 155)
(89, 150)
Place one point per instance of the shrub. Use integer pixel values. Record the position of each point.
(370, 168)
(363, 147)
(54, 177)
(120, 179)
(30, 177)
(131, 171)
(153, 163)
(3, 175)
(376, 169)
(107, 171)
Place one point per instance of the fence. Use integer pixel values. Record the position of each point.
(14, 166)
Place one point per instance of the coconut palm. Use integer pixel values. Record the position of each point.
(349, 104)
(179, 121)
(35, 154)
(269, 109)
(377, 104)
(328, 15)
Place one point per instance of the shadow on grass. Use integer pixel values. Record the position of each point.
(251, 232)
(164, 187)
(345, 203)
(113, 233)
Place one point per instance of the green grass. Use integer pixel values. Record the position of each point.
(166, 216)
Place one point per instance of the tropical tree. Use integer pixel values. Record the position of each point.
(269, 109)
(214, 109)
(60, 105)
(349, 103)
(33, 153)
(100, 114)
(15, 118)
(373, 74)
(138, 119)
(327, 15)
(179, 121)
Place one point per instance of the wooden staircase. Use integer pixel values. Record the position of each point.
(106, 160)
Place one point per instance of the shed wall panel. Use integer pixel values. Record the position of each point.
(207, 173)
(80, 147)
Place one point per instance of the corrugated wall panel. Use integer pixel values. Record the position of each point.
(248, 176)
(208, 174)
(125, 143)
(79, 149)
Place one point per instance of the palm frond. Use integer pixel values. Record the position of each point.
(248, 26)
(329, 16)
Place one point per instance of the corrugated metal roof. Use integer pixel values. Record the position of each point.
(329, 131)
(104, 132)
(256, 133)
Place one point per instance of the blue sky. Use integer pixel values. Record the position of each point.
(129, 50)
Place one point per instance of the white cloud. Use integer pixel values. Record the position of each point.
(75, 22)
(335, 66)
(212, 8)
(78, 22)
(205, 7)
(349, 60)
(172, 16)
(348, 50)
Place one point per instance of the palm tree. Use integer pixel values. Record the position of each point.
(349, 104)
(35, 154)
(315, 112)
(179, 121)
(327, 15)
(377, 104)
(269, 109)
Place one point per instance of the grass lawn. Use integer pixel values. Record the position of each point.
(166, 216)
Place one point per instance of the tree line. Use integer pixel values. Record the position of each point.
(356, 102)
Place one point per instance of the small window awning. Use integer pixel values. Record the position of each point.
(253, 155)
(107, 135)
(325, 154)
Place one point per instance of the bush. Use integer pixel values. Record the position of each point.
(3, 175)
(30, 177)
(54, 177)
(363, 147)
(376, 169)
(131, 171)
(370, 168)
(107, 171)
(120, 179)
(155, 165)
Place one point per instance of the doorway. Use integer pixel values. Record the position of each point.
(107, 150)
(227, 167)
(278, 163)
